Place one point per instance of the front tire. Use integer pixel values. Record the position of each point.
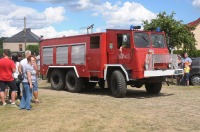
(153, 88)
(73, 83)
(118, 84)
(57, 80)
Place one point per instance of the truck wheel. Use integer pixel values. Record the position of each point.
(118, 84)
(73, 83)
(153, 88)
(57, 80)
(101, 83)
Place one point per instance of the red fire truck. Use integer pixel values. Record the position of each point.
(115, 58)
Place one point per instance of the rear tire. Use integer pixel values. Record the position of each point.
(153, 88)
(57, 80)
(73, 83)
(118, 84)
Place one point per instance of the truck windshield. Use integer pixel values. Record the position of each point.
(141, 40)
(158, 41)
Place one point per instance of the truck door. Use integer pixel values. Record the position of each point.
(120, 51)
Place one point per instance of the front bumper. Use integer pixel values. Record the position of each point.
(157, 73)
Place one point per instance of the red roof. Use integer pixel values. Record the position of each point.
(194, 23)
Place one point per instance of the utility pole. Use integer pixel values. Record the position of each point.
(25, 32)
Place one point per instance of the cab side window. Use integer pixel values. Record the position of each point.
(123, 40)
(94, 42)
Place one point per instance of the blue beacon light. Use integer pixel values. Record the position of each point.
(131, 27)
(158, 29)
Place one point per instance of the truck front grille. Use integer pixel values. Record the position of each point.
(153, 60)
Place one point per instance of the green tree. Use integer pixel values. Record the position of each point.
(1, 42)
(178, 35)
(33, 49)
(1, 52)
(1, 46)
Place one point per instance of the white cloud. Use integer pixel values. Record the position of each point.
(11, 19)
(6, 30)
(120, 16)
(196, 3)
(53, 1)
(85, 4)
(95, 14)
(54, 15)
(74, 5)
(50, 32)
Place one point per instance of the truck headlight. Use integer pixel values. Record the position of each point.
(146, 66)
(170, 65)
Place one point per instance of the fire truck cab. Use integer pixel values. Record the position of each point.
(115, 58)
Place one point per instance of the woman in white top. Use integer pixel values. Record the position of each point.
(15, 75)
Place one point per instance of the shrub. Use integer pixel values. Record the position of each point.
(1, 52)
(190, 53)
(33, 49)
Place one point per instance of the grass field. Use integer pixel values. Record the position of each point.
(94, 110)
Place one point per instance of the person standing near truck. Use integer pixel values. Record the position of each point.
(22, 65)
(29, 75)
(186, 74)
(38, 64)
(179, 77)
(187, 60)
(7, 68)
(15, 75)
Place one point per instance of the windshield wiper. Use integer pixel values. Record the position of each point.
(144, 38)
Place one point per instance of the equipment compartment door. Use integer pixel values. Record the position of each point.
(94, 55)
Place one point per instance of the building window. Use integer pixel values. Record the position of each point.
(20, 47)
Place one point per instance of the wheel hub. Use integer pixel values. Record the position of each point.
(56, 79)
(72, 81)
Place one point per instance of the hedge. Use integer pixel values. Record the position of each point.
(1, 52)
(190, 53)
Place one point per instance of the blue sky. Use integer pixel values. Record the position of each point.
(55, 18)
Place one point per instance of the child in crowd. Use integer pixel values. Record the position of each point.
(186, 73)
